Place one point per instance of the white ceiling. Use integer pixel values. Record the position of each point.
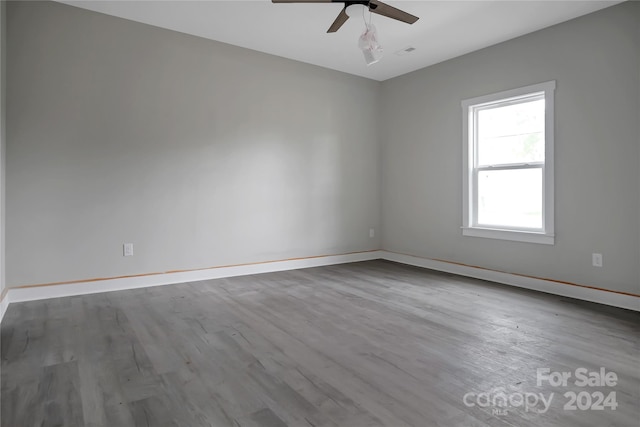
(446, 29)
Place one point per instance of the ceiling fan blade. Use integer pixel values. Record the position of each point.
(384, 9)
(340, 20)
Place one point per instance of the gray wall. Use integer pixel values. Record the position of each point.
(595, 60)
(204, 154)
(200, 153)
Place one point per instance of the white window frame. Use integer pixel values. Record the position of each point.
(470, 226)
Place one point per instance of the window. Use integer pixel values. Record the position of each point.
(508, 165)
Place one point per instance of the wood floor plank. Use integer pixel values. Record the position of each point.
(354, 345)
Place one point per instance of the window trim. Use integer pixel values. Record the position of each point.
(469, 208)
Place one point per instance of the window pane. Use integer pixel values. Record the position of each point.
(510, 198)
(511, 134)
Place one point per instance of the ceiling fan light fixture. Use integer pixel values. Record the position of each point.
(355, 10)
(369, 45)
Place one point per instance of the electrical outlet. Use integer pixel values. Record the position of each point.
(127, 249)
(372, 232)
(596, 260)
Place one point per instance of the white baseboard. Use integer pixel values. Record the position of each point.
(611, 298)
(118, 284)
(91, 287)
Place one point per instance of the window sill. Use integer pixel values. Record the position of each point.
(516, 236)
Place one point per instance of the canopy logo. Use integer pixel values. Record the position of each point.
(501, 401)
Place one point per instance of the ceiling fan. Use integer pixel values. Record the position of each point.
(375, 6)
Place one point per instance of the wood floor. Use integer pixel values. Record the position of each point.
(364, 344)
